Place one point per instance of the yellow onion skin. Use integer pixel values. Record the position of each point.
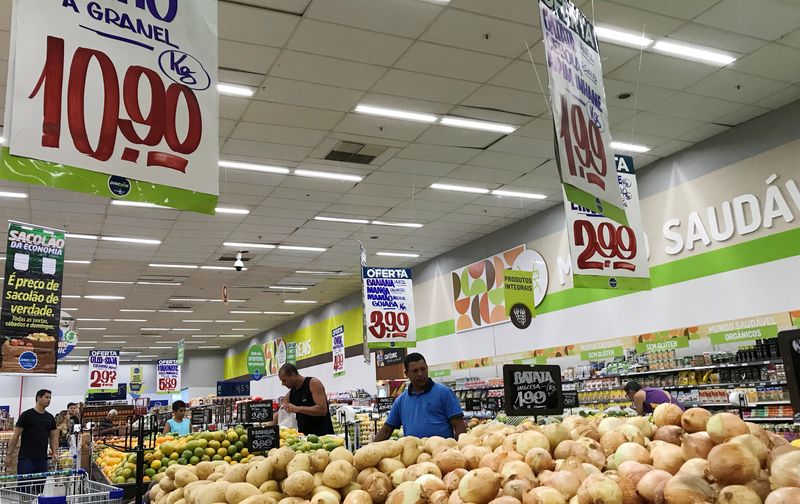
(695, 420)
(785, 495)
(731, 464)
(723, 426)
(737, 494)
(688, 489)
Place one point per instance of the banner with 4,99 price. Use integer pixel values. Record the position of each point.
(115, 98)
(580, 113)
(389, 307)
(103, 370)
(168, 376)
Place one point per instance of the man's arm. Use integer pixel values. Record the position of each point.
(383, 433)
(638, 402)
(12, 444)
(54, 443)
(320, 407)
(393, 421)
(459, 425)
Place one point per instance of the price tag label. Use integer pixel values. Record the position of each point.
(103, 366)
(473, 404)
(168, 377)
(385, 404)
(389, 307)
(258, 411)
(201, 416)
(532, 390)
(570, 398)
(263, 439)
(492, 403)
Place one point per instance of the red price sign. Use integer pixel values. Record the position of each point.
(167, 384)
(388, 324)
(583, 142)
(614, 244)
(158, 124)
(105, 379)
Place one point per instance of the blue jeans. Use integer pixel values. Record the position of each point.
(31, 465)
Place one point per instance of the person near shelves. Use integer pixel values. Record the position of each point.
(307, 400)
(74, 411)
(178, 424)
(426, 408)
(645, 399)
(63, 425)
(107, 426)
(35, 429)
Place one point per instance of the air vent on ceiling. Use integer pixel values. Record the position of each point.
(353, 152)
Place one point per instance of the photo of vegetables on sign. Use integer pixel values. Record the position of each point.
(31, 310)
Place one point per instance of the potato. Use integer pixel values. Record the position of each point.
(259, 499)
(160, 495)
(282, 457)
(415, 471)
(367, 456)
(351, 487)
(409, 450)
(450, 459)
(212, 494)
(203, 470)
(397, 477)
(423, 457)
(269, 486)
(433, 442)
(215, 476)
(389, 465)
(184, 477)
(167, 484)
(237, 492)
(364, 473)
(180, 501)
(341, 453)
(259, 473)
(299, 484)
(171, 470)
(378, 486)
(326, 498)
(190, 489)
(390, 448)
(154, 491)
(175, 495)
(409, 492)
(320, 460)
(338, 474)
(300, 462)
(236, 474)
(358, 497)
(276, 496)
(430, 484)
(292, 500)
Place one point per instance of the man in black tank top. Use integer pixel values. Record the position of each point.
(307, 400)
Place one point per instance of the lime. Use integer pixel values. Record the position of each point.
(194, 460)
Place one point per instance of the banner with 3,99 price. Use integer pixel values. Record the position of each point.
(168, 376)
(606, 254)
(117, 99)
(389, 307)
(103, 370)
(580, 115)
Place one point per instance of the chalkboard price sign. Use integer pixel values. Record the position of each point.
(385, 404)
(258, 411)
(532, 390)
(201, 416)
(472, 404)
(570, 398)
(263, 439)
(233, 389)
(492, 403)
(393, 356)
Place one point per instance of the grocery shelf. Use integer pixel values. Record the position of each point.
(724, 385)
(769, 419)
(477, 388)
(608, 401)
(727, 365)
(728, 405)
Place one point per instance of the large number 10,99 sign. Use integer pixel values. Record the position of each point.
(389, 307)
(118, 88)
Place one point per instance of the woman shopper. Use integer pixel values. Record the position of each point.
(645, 399)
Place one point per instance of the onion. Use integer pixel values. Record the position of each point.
(634, 471)
(732, 464)
(517, 488)
(564, 449)
(667, 414)
(473, 455)
(555, 433)
(669, 434)
(492, 440)
(629, 495)
(723, 426)
(590, 469)
(573, 465)
(737, 494)
(517, 469)
(641, 423)
(598, 489)
(563, 481)
(608, 424)
(531, 439)
(695, 419)
(754, 446)
(696, 445)
(760, 485)
(651, 486)
(777, 452)
(777, 440)
(667, 457)
(572, 421)
(505, 499)
(479, 486)
(430, 483)
(493, 461)
(539, 460)
(623, 434)
(786, 470)
(760, 433)
(543, 495)
(589, 431)
(784, 496)
(453, 478)
(687, 489)
(631, 451)
(695, 467)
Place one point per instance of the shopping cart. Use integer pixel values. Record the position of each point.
(62, 487)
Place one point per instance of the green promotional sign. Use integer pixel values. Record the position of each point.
(661, 345)
(744, 334)
(180, 351)
(291, 353)
(256, 362)
(519, 301)
(602, 353)
(440, 373)
(532, 361)
(31, 309)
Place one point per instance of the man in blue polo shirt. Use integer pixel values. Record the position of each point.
(426, 409)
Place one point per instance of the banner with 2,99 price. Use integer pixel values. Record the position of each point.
(168, 376)
(103, 370)
(389, 307)
(580, 114)
(115, 98)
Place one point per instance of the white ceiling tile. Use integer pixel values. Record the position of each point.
(631, 19)
(521, 75)
(692, 106)
(703, 132)
(423, 86)
(291, 115)
(520, 11)
(451, 62)
(226, 127)
(483, 174)
(524, 146)
(277, 134)
(505, 161)
(324, 70)
(347, 43)
(643, 96)
(265, 150)
(407, 18)
(405, 180)
(436, 153)
(313, 184)
(706, 36)
(381, 127)
(763, 63)
(307, 94)
(791, 39)
(681, 9)
(781, 98)
(458, 137)
(546, 184)
(736, 86)
(669, 148)
(475, 32)
(659, 125)
(743, 114)
(255, 26)
(405, 103)
(365, 211)
(613, 56)
(766, 19)
(663, 71)
(232, 108)
(246, 57)
(507, 100)
(293, 6)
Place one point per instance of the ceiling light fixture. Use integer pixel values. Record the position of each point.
(237, 165)
(176, 311)
(11, 194)
(341, 219)
(249, 245)
(693, 53)
(230, 321)
(222, 268)
(234, 211)
(175, 266)
(139, 204)
(245, 329)
(189, 300)
(458, 188)
(70, 296)
(298, 301)
(278, 313)
(301, 248)
(314, 272)
(395, 114)
(493, 127)
(155, 329)
(397, 254)
(639, 149)
(122, 239)
(68, 261)
(516, 194)
(129, 320)
(197, 321)
(81, 236)
(185, 329)
(611, 35)
(245, 312)
(136, 310)
(287, 287)
(69, 309)
(110, 282)
(328, 175)
(227, 89)
(167, 284)
(212, 347)
(397, 224)
(105, 298)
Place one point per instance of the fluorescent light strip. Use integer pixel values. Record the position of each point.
(69, 309)
(92, 329)
(185, 329)
(202, 335)
(139, 204)
(234, 211)
(328, 175)
(245, 312)
(245, 329)
(81, 236)
(231, 335)
(249, 245)
(230, 321)
(611, 35)
(397, 224)
(129, 320)
(175, 311)
(93, 320)
(189, 300)
(110, 282)
(68, 261)
(143, 241)
(493, 127)
(341, 219)
(236, 165)
(286, 287)
(197, 321)
(167, 284)
(221, 268)
(516, 194)
(119, 342)
(278, 313)
(458, 188)
(312, 272)
(70, 296)
(302, 249)
(136, 310)
(148, 356)
(693, 53)
(397, 254)
(11, 194)
(212, 347)
(87, 341)
(175, 266)
(226, 89)
(395, 114)
(298, 301)
(639, 149)
(155, 329)
(105, 298)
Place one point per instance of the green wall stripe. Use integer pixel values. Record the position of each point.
(741, 255)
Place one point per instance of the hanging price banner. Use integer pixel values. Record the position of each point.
(606, 254)
(389, 307)
(337, 347)
(103, 368)
(168, 376)
(580, 114)
(115, 98)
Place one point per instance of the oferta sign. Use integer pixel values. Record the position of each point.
(661, 345)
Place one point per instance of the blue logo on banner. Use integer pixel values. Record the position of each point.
(119, 186)
(256, 375)
(28, 360)
(612, 282)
